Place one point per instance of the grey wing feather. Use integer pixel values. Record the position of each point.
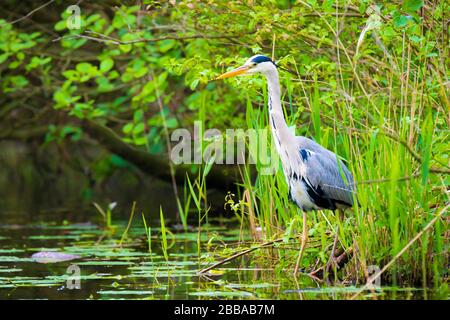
(325, 171)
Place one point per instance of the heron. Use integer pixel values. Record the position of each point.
(317, 178)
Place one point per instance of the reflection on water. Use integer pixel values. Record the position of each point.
(134, 271)
(37, 181)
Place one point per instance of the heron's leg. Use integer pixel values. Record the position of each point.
(303, 244)
(333, 255)
(334, 251)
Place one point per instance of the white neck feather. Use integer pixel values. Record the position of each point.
(280, 130)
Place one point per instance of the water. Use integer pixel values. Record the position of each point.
(128, 271)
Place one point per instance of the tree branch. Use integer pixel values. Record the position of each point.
(239, 254)
(107, 39)
(29, 14)
(155, 165)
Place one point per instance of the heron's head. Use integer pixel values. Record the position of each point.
(255, 64)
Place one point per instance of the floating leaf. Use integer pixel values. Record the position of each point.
(52, 257)
(221, 294)
(125, 292)
(105, 263)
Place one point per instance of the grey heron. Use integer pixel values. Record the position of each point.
(317, 179)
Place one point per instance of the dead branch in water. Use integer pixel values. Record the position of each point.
(240, 254)
(342, 259)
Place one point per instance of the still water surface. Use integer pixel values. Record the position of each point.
(131, 270)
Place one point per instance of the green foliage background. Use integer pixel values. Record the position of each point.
(368, 79)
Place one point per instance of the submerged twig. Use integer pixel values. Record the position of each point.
(341, 260)
(244, 252)
(239, 254)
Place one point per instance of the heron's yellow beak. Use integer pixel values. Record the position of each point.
(233, 73)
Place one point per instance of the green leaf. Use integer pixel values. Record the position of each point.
(400, 20)
(14, 65)
(139, 128)
(60, 25)
(106, 65)
(127, 128)
(194, 84)
(83, 67)
(412, 6)
(125, 48)
(138, 116)
(19, 81)
(172, 123)
(104, 85)
(140, 141)
(71, 75)
(166, 45)
(4, 57)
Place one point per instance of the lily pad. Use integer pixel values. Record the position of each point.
(52, 257)
(11, 250)
(251, 285)
(125, 292)
(105, 263)
(221, 294)
(14, 259)
(9, 270)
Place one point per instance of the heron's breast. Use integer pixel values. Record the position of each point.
(299, 195)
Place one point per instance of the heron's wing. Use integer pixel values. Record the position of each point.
(328, 178)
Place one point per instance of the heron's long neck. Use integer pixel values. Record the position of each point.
(280, 130)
